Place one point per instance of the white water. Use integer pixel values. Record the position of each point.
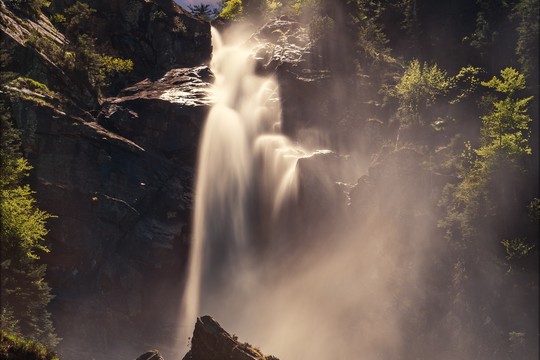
(245, 176)
(337, 294)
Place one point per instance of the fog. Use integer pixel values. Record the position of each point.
(302, 277)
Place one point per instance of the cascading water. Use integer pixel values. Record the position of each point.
(246, 174)
(259, 263)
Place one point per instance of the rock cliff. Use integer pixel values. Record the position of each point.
(117, 172)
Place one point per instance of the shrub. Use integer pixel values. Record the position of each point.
(232, 10)
(14, 346)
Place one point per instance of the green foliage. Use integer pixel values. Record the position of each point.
(78, 16)
(418, 89)
(30, 8)
(58, 19)
(372, 38)
(527, 13)
(490, 16)
(504, 140)
(158, 15)
(178, 25)
(24, 293)
(534, 209)
(98, 68)
(47, 47)
(113, 65)
(466, 81)
(517, 248)
(304, 7)
(273, 7)
(33, 85)
(505, 128)
(232, 10)
(202, 11)
(14, 346)
(511, 81)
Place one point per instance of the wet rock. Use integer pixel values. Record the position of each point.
(211, 342)
(322, 197)
(122, 191)
(164, 115)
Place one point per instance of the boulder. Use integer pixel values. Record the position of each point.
(211, 342)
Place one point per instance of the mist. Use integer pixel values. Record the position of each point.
(316, 277)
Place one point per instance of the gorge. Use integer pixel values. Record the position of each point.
(322, 182)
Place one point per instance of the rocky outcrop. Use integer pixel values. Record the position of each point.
(121, 186)
(211, 342)
(322, 195)
(117, 172)
(28, 46)
(315, 98)
(157, 35)
(163, 115)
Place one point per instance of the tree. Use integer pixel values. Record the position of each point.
(202, 10)
(30, 8)
(418, 89)
(24, 293)
(503, 142)
(505, 129)
(232, 9)
(527, 13)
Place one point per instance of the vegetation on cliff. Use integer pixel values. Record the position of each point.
(452, 84)
(24, 292)
(14, 346)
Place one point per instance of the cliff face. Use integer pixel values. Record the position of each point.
(117, 172)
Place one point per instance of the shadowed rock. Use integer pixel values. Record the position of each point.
(211, 342)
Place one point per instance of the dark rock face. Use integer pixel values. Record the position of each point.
(155, 34)
(211, 342)
(122, 192)
(16, 34)
(314, 97)
(163, 115)
(119, 175)
(321, 197)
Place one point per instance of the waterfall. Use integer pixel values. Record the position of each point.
(296, 284)
(245, 176)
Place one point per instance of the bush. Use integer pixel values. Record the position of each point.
(14, 346)
(30, 8)
(232, 10)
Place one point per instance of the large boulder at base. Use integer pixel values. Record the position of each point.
(211, 342)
